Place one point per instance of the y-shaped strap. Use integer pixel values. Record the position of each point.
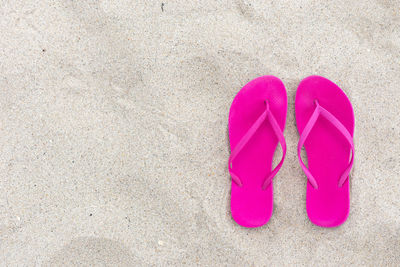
(245, 139)
(307, 129)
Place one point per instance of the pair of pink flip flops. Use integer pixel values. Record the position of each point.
(325, 121)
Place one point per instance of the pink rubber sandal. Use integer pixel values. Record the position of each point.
(325, 121)
(256, 122)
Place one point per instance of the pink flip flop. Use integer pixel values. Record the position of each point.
(325, 121)
(256, 122)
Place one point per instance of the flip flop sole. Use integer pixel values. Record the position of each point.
(327, 150)
(251, 206)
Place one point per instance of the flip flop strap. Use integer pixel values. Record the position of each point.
(319, 110)
(267, 114)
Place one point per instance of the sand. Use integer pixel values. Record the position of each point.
(114, 142)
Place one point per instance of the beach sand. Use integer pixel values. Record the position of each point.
(114, 143)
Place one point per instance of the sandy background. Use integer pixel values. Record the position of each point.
(113, 130)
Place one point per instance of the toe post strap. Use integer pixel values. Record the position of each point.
(267, 114)
(321, 111)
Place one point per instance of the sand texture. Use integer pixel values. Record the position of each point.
(113, 130)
